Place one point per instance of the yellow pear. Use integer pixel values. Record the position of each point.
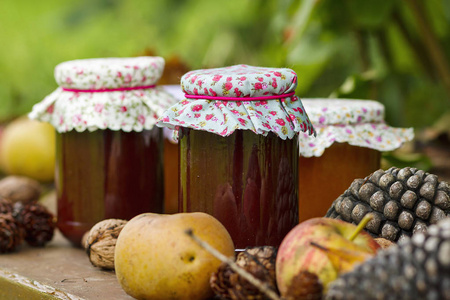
(155, 258)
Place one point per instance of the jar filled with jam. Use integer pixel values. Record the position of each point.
(171, 158)
(109, 154)
(238, 149)
(351, 135)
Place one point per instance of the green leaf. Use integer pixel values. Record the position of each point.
(307, 75)
(402, 160)
(357, 86)
(370, 14)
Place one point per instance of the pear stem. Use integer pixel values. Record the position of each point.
(246, 275)
(360, 226)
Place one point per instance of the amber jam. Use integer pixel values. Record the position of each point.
(249, 182)
(329, 175)
(107, 174)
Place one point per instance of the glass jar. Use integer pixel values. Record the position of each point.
(351, 134)
(109, 154)
(170, 175)
(246, 180)
(238, 129)
(171, 159)
(107, 174)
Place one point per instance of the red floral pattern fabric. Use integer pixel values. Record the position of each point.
(284, 116)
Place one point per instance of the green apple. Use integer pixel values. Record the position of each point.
(155, 258)
(323, 246)
(28, 149)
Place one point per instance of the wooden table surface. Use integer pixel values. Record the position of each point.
(57, 271)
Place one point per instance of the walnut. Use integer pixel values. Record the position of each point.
(20, 189)
(84, 240)
(101, 242)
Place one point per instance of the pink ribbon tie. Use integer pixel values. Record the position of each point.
(239, 98)
(132, 88)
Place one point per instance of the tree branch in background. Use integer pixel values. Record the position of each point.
(361, 39)
(431, 42)
(380, 36)
(300, 20)
(416, 47)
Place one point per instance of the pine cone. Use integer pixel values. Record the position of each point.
(259, 261)
(264, 255)
(404, 201)
(6, 206)
(38, 222)
(11, 233)
(416, 268)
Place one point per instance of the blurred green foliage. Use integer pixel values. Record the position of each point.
(394, 51)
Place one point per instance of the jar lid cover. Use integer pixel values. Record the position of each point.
(105, 93)
(239, 102)
(239, 81)
(343, 111)
(108, 73)
(356, 122)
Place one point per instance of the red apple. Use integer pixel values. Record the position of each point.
(323, 246)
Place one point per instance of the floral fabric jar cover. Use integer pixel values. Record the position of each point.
(285, 116)
(356, 122)
(126, 108)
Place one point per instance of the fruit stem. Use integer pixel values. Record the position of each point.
(360, 226)
(263, 287)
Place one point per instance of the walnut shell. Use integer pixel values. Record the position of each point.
(20, 189)
(101, 242)
(84, 240)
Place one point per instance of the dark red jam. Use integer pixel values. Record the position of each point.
(170, 177)
(249, 182)
(107, 174)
